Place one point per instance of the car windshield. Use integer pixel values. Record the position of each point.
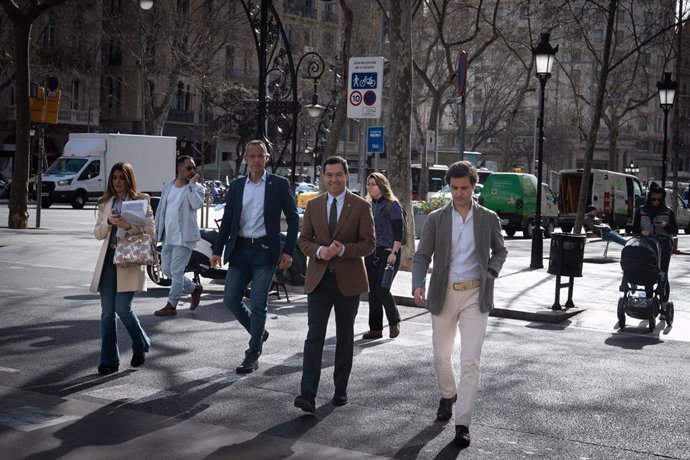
(66, 166)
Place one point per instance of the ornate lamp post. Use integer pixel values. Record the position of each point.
(544, 56)
(667, 91)
(278, 80)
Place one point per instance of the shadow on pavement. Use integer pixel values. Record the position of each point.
(275, 442)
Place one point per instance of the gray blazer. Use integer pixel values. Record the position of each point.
(436, 243)
(192, 202)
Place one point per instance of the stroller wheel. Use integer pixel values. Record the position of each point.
(621, 313)
(652, 323)
(669, 313)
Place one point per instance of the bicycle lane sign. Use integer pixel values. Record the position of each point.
(365, 85)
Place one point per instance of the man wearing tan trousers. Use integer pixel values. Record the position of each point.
(466, 244)
(337, 233)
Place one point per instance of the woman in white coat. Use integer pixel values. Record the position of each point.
(117, 285)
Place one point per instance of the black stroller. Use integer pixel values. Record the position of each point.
(641, 264)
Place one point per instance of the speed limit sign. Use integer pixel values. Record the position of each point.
(356, 98)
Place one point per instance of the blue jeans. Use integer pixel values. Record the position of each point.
(174, 260)
(121, 303)
(250, 263)
(613, 236)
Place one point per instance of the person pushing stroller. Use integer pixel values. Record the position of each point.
(655, 219)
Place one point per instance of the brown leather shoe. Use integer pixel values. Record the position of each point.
(395, 331)
(168, 310)
(196, 296)
(373, 335)
(445, 408)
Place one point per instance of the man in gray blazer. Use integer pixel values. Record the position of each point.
(466, 243)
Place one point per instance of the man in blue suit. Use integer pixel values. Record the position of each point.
(250, 233)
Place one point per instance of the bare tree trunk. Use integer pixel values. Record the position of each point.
(398, 142)
(22, 19)
(596, 118)
(19, 214)
(340, 117)
(613, 143)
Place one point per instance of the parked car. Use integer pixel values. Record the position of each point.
(513, 196)
(445, 192)
(305, 187)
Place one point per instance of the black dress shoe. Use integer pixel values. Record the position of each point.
(265, 336)
(445, 408)
(138, 359)
(247, 367)
(462, 436)
(339, 400)
(306, 404)
(104, 369)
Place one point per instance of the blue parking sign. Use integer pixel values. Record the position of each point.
(375, 142)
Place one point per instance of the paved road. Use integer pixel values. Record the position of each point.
(571, 390)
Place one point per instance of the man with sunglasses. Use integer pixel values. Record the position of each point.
(657, 220)
(177, 228)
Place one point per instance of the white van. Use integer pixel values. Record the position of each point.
(81, 173)
(615, 195)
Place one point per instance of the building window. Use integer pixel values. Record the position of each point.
(180, 96)
(478, 95)
(115, 6)
(642, 125)
(115, 52)
(229, 61)
(74, 102)
(646, 59)
(598, 36)
(476, 118)
(49, 36)
(328, 15)
(114, 94)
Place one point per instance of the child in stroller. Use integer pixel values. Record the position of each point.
(641, 264)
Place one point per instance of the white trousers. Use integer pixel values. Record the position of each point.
(460, 312)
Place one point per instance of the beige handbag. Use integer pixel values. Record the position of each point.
(134, 250)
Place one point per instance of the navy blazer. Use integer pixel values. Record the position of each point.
(278, 198)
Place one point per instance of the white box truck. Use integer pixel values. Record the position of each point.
(615, 195)
(81, 173)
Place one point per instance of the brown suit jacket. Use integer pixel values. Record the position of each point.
(355, 230)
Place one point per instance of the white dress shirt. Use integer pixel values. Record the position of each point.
(464, 264)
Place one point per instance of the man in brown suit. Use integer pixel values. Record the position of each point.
(337, 233)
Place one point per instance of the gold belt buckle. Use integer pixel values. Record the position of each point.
(112, 245)
(466, 285)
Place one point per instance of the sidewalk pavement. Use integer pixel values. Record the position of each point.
(528, 294)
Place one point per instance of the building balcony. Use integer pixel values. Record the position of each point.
(181, 116)
(65, 116)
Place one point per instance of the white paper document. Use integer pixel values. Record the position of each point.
(133, 212)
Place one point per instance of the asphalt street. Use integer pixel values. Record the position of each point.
(578, 388)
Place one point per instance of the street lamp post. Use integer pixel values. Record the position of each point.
(544, 55)
(278, 75)
(667, 91)
(632, 169)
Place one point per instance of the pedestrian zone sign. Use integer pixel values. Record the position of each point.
(365, 81)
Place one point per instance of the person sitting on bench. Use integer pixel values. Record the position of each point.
(594, 224)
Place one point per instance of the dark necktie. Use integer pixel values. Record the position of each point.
(333, 217)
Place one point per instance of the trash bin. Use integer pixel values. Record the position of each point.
(567, 254)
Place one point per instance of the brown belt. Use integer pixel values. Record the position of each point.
(465, 285)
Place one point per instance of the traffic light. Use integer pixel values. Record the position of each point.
(52, 106)
(45, 104)
(36, 105)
